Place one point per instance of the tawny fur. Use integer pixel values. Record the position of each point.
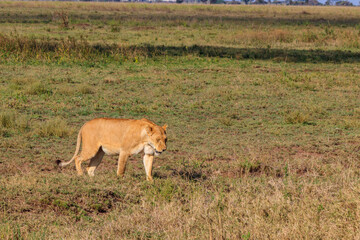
(122, 137)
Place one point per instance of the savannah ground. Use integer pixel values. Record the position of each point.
(262, 104)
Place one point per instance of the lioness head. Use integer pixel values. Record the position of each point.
(157, 138)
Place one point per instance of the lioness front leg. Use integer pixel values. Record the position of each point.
(122, 163)
(148, 162)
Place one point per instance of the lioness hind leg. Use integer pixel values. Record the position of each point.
(78, 165)
(94, 162)
(82, 158)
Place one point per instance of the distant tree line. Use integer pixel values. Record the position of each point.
(288, 2)
(279, 2)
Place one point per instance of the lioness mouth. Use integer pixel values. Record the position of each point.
(156, 151)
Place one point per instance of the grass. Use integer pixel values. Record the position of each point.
(277, 27)
(55, 127)
(259, 147)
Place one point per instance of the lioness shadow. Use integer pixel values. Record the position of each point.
(188, 175)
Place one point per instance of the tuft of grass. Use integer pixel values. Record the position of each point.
(227, 121)
(19, 83)
(7, 119)
(38, 88)
(246, 167)
(11, 121)
(54, 128)
(115, 29)
(66, 90)
(86, 89)
(309, 37)
(349, 123)
(22, 122)
(297, 117)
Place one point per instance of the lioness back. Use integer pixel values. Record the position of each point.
(122, 134)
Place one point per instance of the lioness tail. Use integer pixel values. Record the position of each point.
(78, 142)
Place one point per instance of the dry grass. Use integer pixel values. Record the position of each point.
(178, 25)
(85, 89)
(258, 149)
(38, 88)
(238, 163)
(10, 122)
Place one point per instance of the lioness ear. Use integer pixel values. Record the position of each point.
(165, 127)
(149, 130)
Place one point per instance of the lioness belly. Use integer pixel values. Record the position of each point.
(109, 151)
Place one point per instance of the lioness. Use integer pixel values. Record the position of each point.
(118, 136)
